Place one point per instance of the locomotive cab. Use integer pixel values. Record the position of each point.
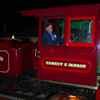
(74, 61)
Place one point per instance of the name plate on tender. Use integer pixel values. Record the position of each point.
(64, 64)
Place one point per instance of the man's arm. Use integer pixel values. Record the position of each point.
(59, 40)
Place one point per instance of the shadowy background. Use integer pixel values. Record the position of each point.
(13, 23)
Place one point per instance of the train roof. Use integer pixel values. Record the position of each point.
(57, 10)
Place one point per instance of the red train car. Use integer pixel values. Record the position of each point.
(76, 63)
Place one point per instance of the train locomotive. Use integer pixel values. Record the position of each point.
(74, 64)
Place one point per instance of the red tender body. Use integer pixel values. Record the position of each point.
(17, 58)
(28, 55)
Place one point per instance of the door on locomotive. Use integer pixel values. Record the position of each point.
(49, 50)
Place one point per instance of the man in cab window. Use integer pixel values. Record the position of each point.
(50, 37)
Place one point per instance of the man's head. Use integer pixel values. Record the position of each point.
(49, 27)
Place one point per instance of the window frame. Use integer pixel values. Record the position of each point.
(50, 17)
(81, 44)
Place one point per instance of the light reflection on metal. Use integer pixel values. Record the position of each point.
(71, 96)
(74, 99)
(36, 54)
(64, 83)
(98, 79)
(13, 37)
(51, 50)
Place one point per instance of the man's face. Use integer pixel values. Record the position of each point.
(50, 28)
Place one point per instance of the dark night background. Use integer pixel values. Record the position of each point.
(16, 24)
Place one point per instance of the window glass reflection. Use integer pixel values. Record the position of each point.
(81, 31)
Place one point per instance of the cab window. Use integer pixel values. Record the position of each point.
(81, 31)
(58, 29)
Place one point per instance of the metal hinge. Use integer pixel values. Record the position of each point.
(36, 54)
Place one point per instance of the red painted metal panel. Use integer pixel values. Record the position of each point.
(28, 55)
(5, 49)
(58, 10)
(16, 62)
(73, 75)
(27, 59)
(34, 59)
(11, 62)
(4, 45)
(24, 45)
(4, 61)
